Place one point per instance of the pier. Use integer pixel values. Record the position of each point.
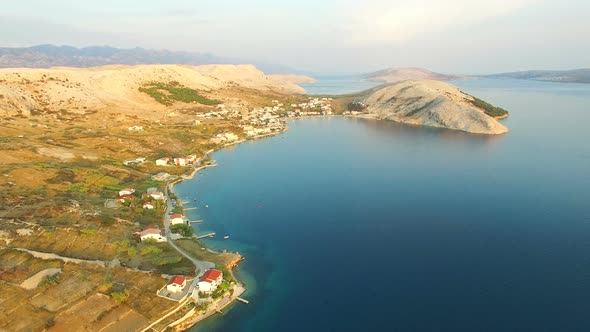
(196, 221)
(206, 235)
(191, 208)
(242, 300)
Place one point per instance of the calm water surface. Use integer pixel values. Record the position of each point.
(355, 225)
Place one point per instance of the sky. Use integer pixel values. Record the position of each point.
(327, 36)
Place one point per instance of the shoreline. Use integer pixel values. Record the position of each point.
(193, 317)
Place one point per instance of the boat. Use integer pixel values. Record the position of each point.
(206, 206)
(226, 237)
(195, 200)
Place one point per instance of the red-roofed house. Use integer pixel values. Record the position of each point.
(176, 284)
(147, 205)
(210, 280)
(176, 219)
(152, 233)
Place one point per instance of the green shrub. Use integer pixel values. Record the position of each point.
(167, 93)
(182, 229)
(488, 109)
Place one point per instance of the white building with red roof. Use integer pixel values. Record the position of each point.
(123, 198)
(210, 280)
(148, 205)
(176, 219)
(176, 284)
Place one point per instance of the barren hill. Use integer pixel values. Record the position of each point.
(391, 75)
(26, 90)
(435, 104)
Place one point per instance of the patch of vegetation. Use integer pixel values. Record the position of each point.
(488, 108)
(356, 106)
(182, 229)
(88, 232)
(150, 250)
(48, 281)
(120, 297)
(167, 93)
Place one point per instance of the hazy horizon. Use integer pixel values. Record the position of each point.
(458, 37)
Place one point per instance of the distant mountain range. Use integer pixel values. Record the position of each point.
(44, 56)
(562, 76)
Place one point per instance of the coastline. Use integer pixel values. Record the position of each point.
(193, 317)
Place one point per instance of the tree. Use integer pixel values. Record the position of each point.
(182, 229)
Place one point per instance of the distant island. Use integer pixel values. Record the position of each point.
(397, 74)
(560, 76)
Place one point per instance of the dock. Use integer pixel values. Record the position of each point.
(206, 235)
(184, 202)
(196, 221)
(242, 300)
(191, 208)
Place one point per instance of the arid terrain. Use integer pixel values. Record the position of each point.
(65, 135)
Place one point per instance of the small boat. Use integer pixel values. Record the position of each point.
(226, 237)
(207, 206)
(195, 200)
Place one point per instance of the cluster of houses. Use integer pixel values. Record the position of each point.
(208, 282)
(315, 106)
(221, 112)
(225, 137)
(178, 161)
(151, 195)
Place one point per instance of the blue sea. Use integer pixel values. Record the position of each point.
(361, 225)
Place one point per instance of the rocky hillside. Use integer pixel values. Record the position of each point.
(431, 103)
(27, 90)
(391, 75)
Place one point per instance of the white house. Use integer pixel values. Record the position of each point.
(135, 128)
(126, 191)
(176, 219)
(162, 162)
(148, 205)
(210, 280)
(179, 161)
(176, 284)
(157, 195)
(152, 233)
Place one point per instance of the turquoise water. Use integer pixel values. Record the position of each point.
(358, 225)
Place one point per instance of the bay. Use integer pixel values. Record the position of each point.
(350, 224)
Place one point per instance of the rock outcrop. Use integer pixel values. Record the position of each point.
(431, 103)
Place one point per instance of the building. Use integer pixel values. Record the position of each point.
(162, 162)
(126, 191)
(176, 219)
(210, 280)
(152, 233)
(148, 205)
(180, 161)
(176, 284)
(157, 195)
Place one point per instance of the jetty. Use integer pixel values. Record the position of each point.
(184, 202)
(206, 235)
(242, 300)
(191, 208)
(196, 221)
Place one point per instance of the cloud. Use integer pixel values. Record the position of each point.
(383, 20)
